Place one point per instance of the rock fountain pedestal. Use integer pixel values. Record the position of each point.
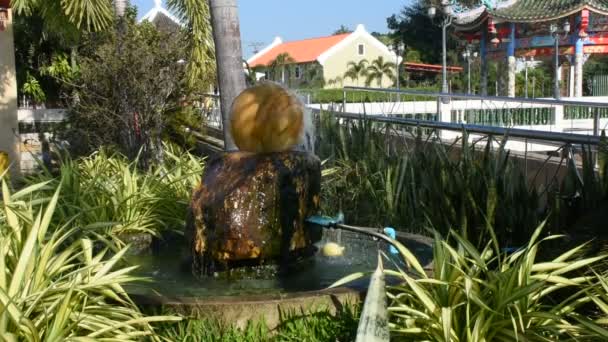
(251, 205)
(250, 210)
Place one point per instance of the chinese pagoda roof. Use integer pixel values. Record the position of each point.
(470, 18)
(525, 11)
(545, 10)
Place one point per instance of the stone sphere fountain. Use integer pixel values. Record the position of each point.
(247, 225)
(251, 205)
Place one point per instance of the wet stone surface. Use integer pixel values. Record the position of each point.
(249, 210)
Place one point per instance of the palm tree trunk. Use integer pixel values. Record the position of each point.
(9, 142)
(127, 137)
(229, 58)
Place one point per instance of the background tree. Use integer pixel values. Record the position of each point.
(540, 81)
(201, 66)
(596, 65)
(378, 69)
(341, 30)
(313, 76)
(356, 70)
(386, 38)
(68, 18)
(280, 68)
(416, 30)
(57, 14)
(152, 88)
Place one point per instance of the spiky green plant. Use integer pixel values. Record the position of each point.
(484, 294)
(53, 286)
(107, 196)
(415, 182)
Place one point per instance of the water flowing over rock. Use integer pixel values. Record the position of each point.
(250, 209)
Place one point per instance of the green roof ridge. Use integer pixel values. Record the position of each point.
(534, 10)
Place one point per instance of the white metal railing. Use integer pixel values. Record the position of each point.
(211, 112)
(581, 116)
(36, 126)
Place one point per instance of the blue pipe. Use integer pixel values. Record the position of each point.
(388, 234)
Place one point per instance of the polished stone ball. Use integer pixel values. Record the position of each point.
(266, 118)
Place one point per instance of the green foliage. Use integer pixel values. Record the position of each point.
(341, 30)
(412, 55)
(356, 70)
(199, 43)
(596, 293)
(179, 127)
(83, 14)
(319, 326)
(53, 286)
(35, 47)
(596, 65)
(416, 30)
(385, 38)
(377, 70)
(357, 96)
(313, 76)
(540, 82)
(124, 91)
(484, 294)
(60, 68)
(281, 68)
(213, 331)
(295, 326)
(107, 196)
(32, 88)
(414, 183)
(67, 18)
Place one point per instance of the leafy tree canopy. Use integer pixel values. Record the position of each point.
(417, 31)
(138, 92)
(342, 29)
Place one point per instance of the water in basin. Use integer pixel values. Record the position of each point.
(169, 273)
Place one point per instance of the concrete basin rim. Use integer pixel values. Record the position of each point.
(244, 299)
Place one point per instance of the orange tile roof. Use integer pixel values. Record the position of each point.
(302, 51)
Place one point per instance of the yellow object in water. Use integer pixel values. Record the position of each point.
(4, 162)
(332, 249)
(266, 118)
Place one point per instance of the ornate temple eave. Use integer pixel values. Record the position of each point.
(526, 11)
(471, 20)
(529, 11)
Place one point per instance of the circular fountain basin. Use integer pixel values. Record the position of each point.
(254, 297)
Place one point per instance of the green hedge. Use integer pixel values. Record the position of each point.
(352, 96)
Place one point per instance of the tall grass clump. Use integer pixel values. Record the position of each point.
(108, 196)
(294, 326)
(414, 182)
(53, 286)
(485, 294)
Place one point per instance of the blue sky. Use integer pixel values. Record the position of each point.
(262, 20)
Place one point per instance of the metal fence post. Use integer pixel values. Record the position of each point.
(343, 100)
(596, 122)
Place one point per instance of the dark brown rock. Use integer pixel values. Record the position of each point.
(250, 210)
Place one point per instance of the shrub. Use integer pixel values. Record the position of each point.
(53, 287)
(488, 295)
(105, 195)
(355, 96)
(126, 99)
(413, 182)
